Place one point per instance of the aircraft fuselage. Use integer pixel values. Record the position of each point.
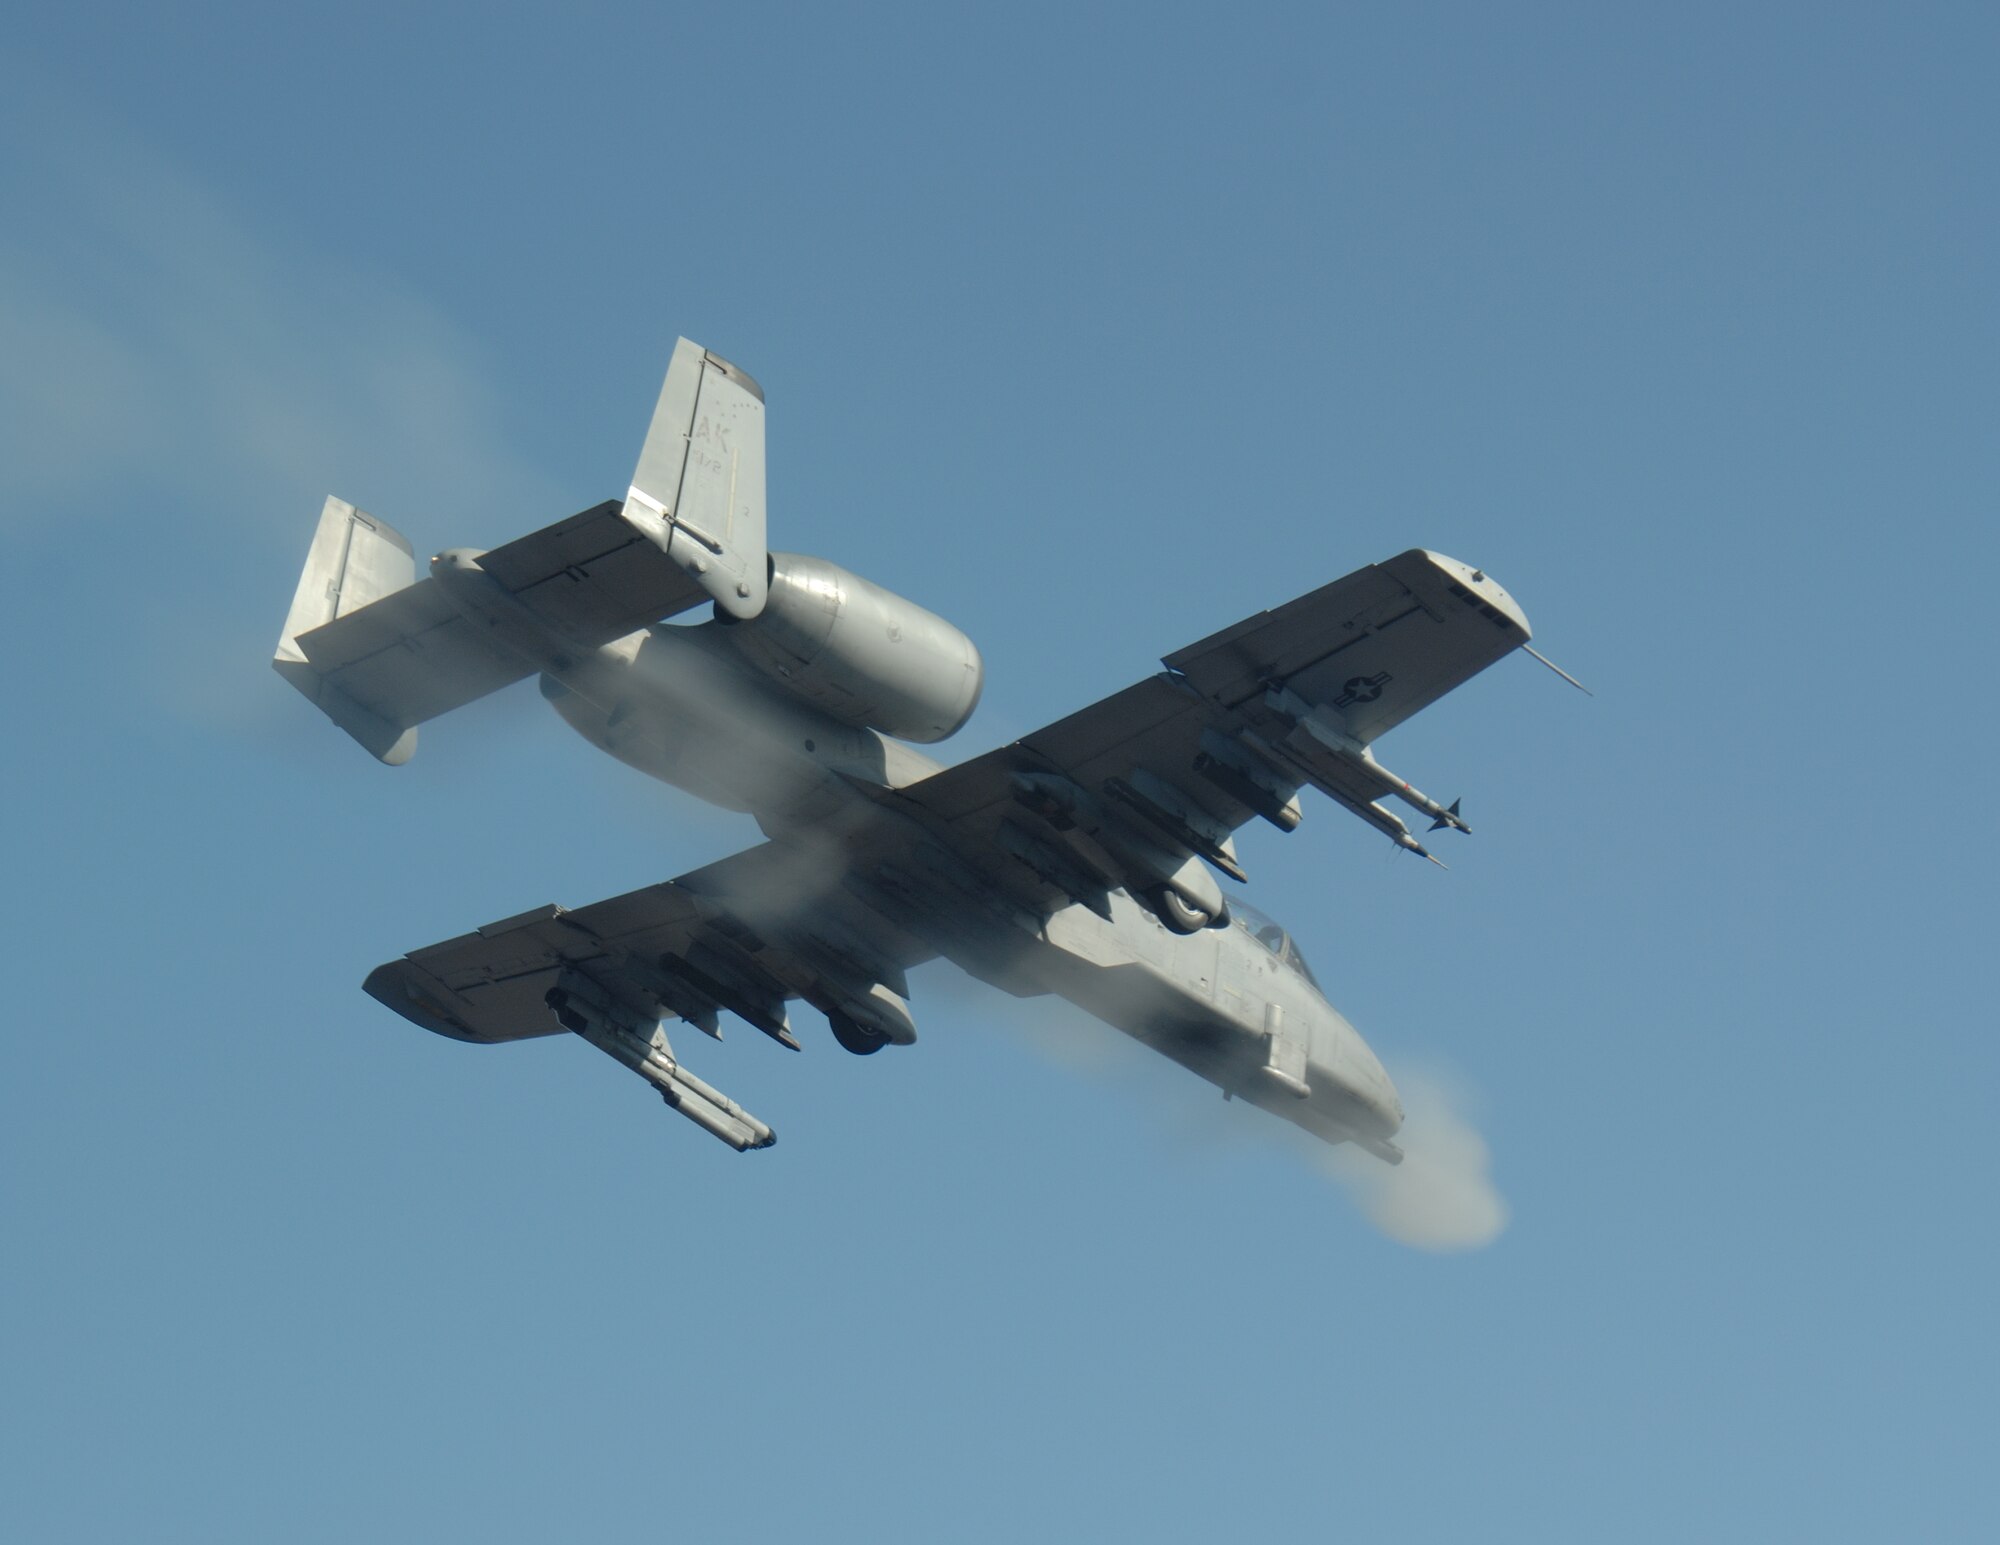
(672, 702)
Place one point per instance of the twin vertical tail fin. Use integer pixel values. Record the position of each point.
(380, 651)
(355, 560)
(698, 491)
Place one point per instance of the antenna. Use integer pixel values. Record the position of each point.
(1558, 670)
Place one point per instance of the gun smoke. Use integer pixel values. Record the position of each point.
(1442, 1196)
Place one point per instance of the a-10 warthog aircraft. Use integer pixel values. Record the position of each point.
(1081, 860)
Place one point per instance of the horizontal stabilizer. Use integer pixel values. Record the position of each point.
(380, 654)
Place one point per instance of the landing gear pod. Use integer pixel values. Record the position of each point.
(865, 1022)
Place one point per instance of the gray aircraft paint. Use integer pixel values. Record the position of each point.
(1076, 861)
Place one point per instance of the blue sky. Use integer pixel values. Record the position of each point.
(1094, 329)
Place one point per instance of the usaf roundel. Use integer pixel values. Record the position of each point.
(1362, 689)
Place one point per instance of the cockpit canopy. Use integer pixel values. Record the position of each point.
(1274, 938)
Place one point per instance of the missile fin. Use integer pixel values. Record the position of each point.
(1450, 818)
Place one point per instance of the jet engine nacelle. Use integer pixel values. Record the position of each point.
(858, 652)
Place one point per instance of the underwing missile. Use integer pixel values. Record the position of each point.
(1450, 818)
(1409, 794)
(1318, 735)
(1362, 760)
(1416, 847)
(1389, 824)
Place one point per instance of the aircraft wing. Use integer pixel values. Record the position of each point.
(748, 934)
(1375, 647)
(1127, 792)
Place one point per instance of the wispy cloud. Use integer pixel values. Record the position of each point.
(156, 345)
(193, 384)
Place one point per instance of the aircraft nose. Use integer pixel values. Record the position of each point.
(1377, 1095)
(1361, 1086)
